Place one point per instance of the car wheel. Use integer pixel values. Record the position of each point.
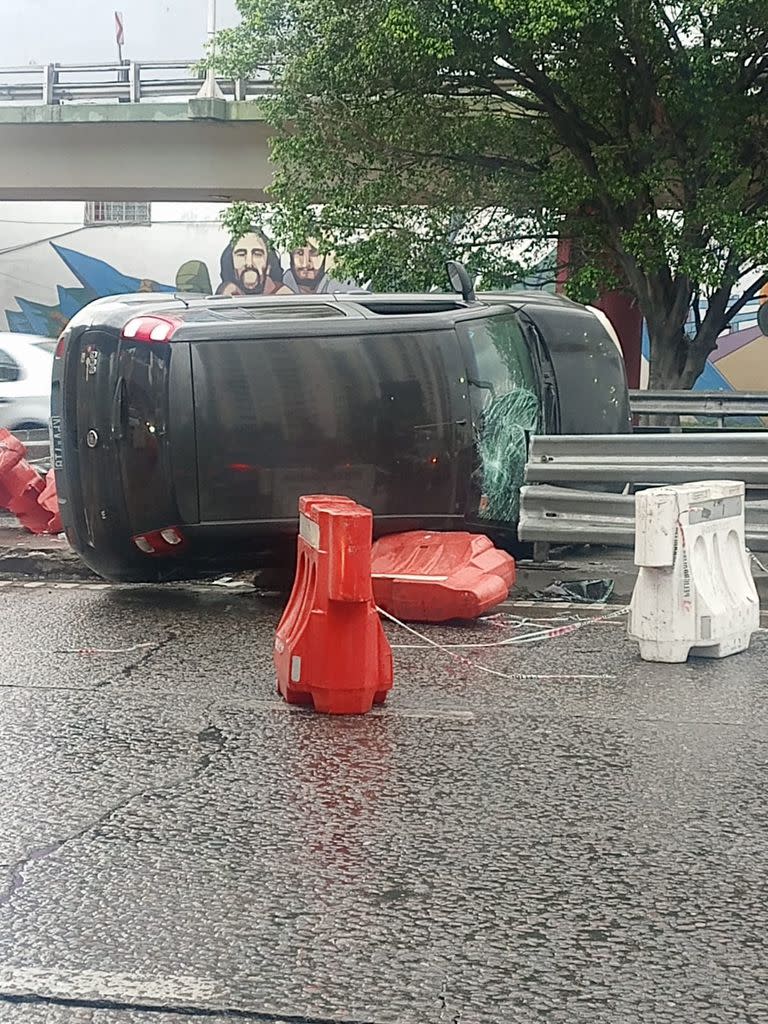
(29, 425)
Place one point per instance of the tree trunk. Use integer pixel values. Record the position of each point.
(669, 358)
(669, 352)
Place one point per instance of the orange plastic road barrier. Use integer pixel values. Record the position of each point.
(330, 648)
(22, 489)
(15, 472)
(49, 500)
(433, 577)
(27, 509)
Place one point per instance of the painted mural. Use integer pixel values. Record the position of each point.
(44, 282)
(97, 280)
(740, 361)
(251, 265)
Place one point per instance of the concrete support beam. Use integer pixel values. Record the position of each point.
(203, 150)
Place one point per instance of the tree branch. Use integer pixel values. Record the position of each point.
(495, 89)
(697, 310)
(556, 102)
(674, 37)
(748, 295)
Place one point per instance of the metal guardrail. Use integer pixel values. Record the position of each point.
(38, 445)
(569, 479)
(648, 459)
(715, 404)
(559, 515)
(129, 82)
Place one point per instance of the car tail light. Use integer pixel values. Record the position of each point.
(161, 542)
(61, 344)
(149, 329)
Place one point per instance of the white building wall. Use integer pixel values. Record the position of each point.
(32, 271)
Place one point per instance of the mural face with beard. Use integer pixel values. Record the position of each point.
(250, 266)
(310, 271)
(308, 266)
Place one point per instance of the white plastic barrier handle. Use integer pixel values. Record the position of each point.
(656, 525)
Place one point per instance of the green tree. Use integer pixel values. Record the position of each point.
(477, 128)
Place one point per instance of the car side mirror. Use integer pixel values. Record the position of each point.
(460, 280)
(9, 372)
(762, 318)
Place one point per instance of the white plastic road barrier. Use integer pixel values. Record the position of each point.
(694, 592)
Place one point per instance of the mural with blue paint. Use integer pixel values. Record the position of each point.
(740, 360)
(253, 266)
(98, 280)
(250, 265)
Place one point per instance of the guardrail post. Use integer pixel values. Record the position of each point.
(541, 551)
(50, 81)
(134, 81)
(123, 77)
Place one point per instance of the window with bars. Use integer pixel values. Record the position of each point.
(117, 213)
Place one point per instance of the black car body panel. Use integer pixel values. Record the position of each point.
(253, 402)
(586, 361)
(374, 412)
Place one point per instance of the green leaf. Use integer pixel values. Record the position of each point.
(408, 132)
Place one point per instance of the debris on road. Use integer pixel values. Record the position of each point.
(534, 636)
(577, 591)
(106, 650)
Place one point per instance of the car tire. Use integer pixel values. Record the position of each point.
(29, 425)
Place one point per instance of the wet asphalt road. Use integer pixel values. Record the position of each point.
(174, 840)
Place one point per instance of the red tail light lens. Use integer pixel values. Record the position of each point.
(167, 541)
(151, 329)
(61, 344)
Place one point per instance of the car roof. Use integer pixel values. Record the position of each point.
(530, 297)
(432, 308)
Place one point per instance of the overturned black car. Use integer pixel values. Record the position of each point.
(185, 429)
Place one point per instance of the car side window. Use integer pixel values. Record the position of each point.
(501, 355)
(506, 411)
(9, 368)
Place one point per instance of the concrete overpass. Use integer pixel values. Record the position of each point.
(134, 132)
(138, 136)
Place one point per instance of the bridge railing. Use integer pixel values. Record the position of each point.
(129, 82)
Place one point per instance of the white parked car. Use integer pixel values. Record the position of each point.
(26, 362)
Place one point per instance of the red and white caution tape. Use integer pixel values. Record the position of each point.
(527, 638)
(450, 649)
